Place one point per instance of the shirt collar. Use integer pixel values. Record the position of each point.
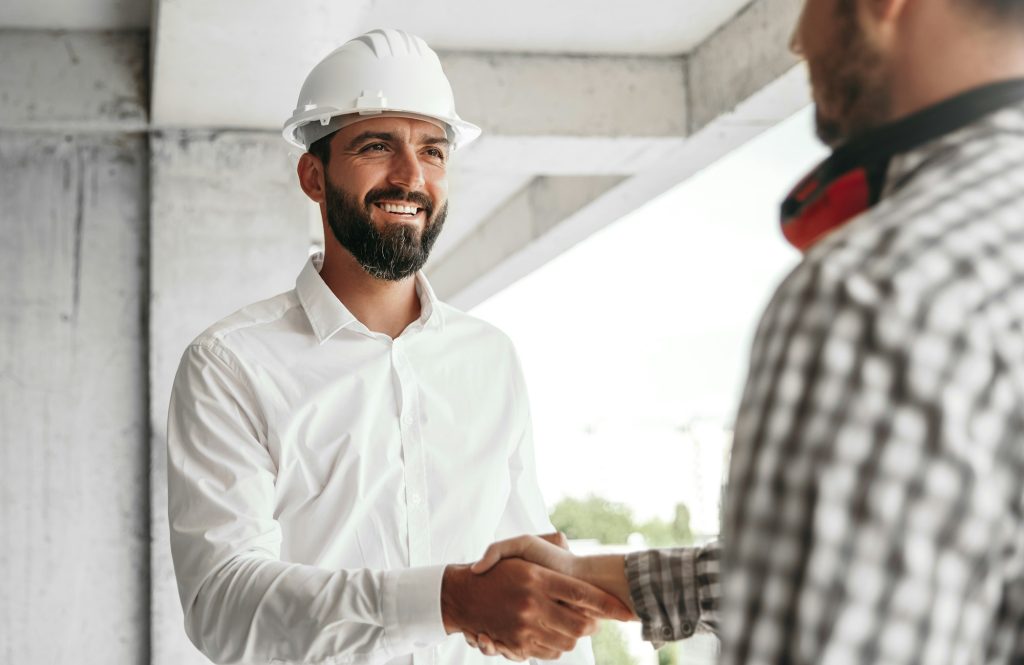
(327, 314)
(924, 133)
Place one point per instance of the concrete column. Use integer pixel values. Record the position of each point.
(229, 227)
(74, 575)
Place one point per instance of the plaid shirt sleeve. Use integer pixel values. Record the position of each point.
(675, 591)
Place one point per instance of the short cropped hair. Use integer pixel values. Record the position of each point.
(1008, 11)
(321, 149)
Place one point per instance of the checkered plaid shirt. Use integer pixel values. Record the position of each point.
(875, 508)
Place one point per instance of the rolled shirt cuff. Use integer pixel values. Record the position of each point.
(412, 608)
(663, 588)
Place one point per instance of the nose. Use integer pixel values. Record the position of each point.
(795, 47)
(406, 171)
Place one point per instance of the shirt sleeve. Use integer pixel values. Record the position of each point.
(676, 592)
(525, 512)
(242, 603)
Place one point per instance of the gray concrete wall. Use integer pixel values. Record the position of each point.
(74, 576)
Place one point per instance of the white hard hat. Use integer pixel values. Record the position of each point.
(383, 71)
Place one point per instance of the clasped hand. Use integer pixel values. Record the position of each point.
(523, 599)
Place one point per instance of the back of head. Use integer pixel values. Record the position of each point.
(1006, 13)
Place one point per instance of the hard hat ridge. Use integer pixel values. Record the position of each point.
(382, 71)
(384, 42)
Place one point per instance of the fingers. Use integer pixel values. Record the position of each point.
(551, 649)
(545, 653)
(516, 655)
(570, 623)
(489, 647)
(562, 627)
(594, 601)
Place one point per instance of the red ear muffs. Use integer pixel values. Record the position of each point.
(817, 207)
(851, 180)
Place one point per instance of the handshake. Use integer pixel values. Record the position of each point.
(529, 597)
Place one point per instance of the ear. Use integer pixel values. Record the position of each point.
(885, 11)
(312, 177)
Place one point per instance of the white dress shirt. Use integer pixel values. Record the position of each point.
(321, 475)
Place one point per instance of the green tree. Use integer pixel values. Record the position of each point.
(612, 523)
(681, 525)
(668, 654)
(594, 517)
(659, 533)
(610, 646)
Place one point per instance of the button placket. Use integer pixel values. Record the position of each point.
(417, 517)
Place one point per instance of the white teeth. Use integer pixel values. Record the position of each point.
(391, 207)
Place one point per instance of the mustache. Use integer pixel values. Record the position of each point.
(420, 199)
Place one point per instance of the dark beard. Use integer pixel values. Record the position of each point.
(394, 252)
(854, 85)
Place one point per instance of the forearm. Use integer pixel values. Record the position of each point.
(256, 609)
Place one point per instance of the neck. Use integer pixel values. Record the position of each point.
(972, 54)
(382, 306)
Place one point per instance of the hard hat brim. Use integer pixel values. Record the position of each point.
(462, 133)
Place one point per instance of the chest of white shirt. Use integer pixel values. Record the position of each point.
(375, 418)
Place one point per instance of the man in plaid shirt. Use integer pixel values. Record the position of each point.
(875, 507)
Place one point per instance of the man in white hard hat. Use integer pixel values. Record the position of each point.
(332, 449)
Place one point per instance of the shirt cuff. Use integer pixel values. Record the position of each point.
(663, 587)
(412, 608)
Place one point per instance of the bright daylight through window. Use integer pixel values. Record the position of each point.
(635, 344)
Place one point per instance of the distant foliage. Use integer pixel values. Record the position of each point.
(613, 523)
(593, 517)
(610, 646)
(668, 654)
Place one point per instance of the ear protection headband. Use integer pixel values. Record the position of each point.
(852, 180)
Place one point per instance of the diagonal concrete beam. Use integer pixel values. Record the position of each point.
(742, 81)
(740, 59)
(527, 216)
(73, 82)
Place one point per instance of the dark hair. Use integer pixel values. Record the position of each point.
(321, 149)
(999, 10)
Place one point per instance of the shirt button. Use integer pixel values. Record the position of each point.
(407, 419)
(416, 499)
(666, 631)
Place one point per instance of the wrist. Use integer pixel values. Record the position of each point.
(608, 572)
(453, 585)
(580, 567)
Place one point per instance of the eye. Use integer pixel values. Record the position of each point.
(436, 153)
(374, 147)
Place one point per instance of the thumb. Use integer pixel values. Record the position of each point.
(504, 549)
(557, 539)
(487, 561)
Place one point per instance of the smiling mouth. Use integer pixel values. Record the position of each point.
(400, 209)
